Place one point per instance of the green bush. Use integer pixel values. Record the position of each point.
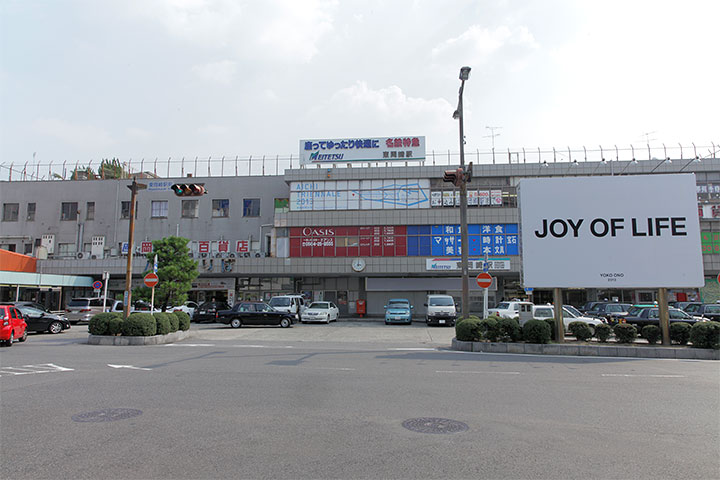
(183, 320)
(98, 324)
(114, 326)
(680, 332)
(139, 325)
(651, 333)
(508, 330)
(174, 322)
(489, 329)
(536, 331)
(580, 330)
(468, 329)
(625, 333)
(162, 321)
(602, 332)
(551, 324)
(705, 335)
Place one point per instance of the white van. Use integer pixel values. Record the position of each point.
(441, 310)
(294, 304)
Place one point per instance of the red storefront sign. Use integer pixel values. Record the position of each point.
(376, 241)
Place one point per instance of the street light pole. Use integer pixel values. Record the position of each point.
(131, 238)
(464, 75)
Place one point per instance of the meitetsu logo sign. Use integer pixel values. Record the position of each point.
(362, 149)
(612, 232)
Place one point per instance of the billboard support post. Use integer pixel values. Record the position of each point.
(664, 314)
(559, 324)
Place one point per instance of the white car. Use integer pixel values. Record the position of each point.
(512, 309)
(321, 312)
(570, 314)
(188, 307)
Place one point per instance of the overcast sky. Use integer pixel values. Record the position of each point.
(85, 79)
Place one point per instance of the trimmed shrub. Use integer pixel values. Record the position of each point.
(705, 335)
(680, 332)
(114, 326)
(508, 330)
(139, 325)
(625, 333)
(98, 324)
(536, 331)
(602, 332)
(651, 333)
(489, 329)
(174, 322)
(551, 324)
(183, 320)
(580, 330)
(468, 329)
(162, 321)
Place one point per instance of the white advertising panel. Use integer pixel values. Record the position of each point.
(610, 232)
(362, 149)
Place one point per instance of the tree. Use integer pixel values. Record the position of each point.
(176, 271)
(112, 169)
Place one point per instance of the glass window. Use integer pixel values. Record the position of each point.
(90, 211)
(221, 208)
(251, 207)
(159, 209)
(125, 209)
(69, 211)
(31, 212)
(189, 208)
(66, 249)
(10, 212)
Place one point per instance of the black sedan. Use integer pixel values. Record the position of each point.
(208, 311)
(41, 321)
(651, 316)
(254, 313)
(711, 311)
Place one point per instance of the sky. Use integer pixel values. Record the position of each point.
(82, 80)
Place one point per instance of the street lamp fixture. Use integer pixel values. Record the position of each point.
(458, 115)
(464, 73)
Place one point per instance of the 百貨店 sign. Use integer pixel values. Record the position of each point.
(610, 232)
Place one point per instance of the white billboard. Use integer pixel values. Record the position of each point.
(362, 149)
(610, 232)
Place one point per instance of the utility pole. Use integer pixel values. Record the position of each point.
(131, 238)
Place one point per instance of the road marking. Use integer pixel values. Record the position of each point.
(189, 345)
(640, 375)
(262, 346)
(318, 368)
(128, 367)
(30, 369)
(419, 349)
(466, 371)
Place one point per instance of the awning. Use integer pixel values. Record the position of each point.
(24, 279)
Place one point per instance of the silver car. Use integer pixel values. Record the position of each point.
(84, 308)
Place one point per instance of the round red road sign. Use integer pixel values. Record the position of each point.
(151, 279)
(484, 280)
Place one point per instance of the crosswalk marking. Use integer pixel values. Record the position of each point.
(32, 369)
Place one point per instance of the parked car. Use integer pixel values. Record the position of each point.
(321, 312)
(398, 310)
(254, 313)
(441, 310)
(711, 311)
(82, 309)
(41, 321)
(294, 304)
(570, 314)
(651, 316)
(12, 325)
(588, 306)
(512, 309)
(685, 305)
(188, 307)
(610, 311)
(208, 311)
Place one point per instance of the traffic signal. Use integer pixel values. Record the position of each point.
(455, 177)
(188, 189)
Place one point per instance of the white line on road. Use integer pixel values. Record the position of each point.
(130, 367)
(30, 369)
(189, 345)
(318, 368)
(640, 375)
(415, 349)
(465, 371)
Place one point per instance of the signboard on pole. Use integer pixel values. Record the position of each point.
(150, 280)
(610, 232)
(484, 280)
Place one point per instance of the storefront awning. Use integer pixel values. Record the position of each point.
(24, 279)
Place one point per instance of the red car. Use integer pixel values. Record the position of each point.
(12, 325)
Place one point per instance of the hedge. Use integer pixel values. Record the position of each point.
(705, 335)
(114, 326)
(98, 324)
(680, 332)
(602, 332)
(489, 328)
(183, 320)
(551, 324)
(174, 322)
(651, 333)
(537, 331)
(508, 330)
(580, 330)
(468, 329)
(162, 322)
(139, 325)
(625, 332)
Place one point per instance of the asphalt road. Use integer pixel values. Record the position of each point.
(330, 402)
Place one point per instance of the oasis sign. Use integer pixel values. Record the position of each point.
(638, 231)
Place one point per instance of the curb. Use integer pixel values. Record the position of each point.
(152, 340)
(620, 350)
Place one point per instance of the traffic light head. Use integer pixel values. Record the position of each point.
(455, 177)
(188, 189)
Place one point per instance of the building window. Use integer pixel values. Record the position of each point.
(159, 209)
(90, 211)
(221, 208)
(67, 249)
(31, 212)
(10, 212)
(69, 211)
(125, 209)
(189, 208)
(282, 205)
(251, 207)
(10, 247)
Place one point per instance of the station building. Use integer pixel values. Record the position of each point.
(333, 232)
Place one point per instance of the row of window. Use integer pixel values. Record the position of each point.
(158, 209)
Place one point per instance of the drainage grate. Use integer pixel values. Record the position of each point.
(434, 425)
(107, 415)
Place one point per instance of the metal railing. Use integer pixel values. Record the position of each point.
(224, 166)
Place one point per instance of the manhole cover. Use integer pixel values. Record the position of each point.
(107, 415)
(434, 425)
